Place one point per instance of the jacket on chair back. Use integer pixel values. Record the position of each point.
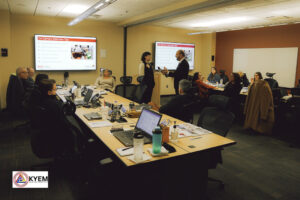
(259, 108)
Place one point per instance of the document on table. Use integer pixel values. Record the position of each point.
(99, 124)
(187, 129)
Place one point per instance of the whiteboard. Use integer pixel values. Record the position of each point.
(282, 61)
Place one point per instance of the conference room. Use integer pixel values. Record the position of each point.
(111, 99)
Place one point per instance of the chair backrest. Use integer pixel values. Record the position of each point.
(127, 91)
(216, 120)
(190, 109)
(272, 82)
(140, 79)
(139, 92)
(219, 101)
(295, 91)
(190, 78)
(14, 94)
(126, 80)
(276, 92)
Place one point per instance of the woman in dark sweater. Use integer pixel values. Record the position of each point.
(233, 87)
(146, 70)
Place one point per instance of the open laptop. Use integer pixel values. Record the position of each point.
(86, 99)
(147, 121)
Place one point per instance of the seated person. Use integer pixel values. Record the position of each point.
(223, 76)
(106, 81)
(22, 91)
(233, 87)
(244, 79)
(35, 96)
(29, 83)
(175, 107)
(203, 87)
(214, 77)
(54, 123)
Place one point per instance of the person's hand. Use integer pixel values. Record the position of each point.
(252, 80)
(165, 71)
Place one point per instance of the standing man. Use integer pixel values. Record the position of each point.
(181, 71)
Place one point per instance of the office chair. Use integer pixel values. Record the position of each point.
(295, 92)
(272, 82)
(140, 79)
(140, 89)
(126, 89)
(219, 120)
(190, 78)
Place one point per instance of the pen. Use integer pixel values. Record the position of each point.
(126, 148)
(195, 138)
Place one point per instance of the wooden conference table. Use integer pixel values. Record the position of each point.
(183, 147)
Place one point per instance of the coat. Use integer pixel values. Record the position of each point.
(259, 108)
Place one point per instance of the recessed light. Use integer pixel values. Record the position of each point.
(75, 9)
(217, 22)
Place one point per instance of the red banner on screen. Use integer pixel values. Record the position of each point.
(66, 39)
(176, 45)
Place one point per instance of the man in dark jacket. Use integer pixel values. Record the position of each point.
(55, 127)
(176, 107)
(181, 71)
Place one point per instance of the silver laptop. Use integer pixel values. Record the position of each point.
(147, 121)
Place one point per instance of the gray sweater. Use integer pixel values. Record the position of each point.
(106, 83)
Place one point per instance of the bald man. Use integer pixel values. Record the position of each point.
(181, 71)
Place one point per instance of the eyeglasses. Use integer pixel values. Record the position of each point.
(24, 72)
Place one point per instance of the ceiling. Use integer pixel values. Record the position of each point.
(238, 14)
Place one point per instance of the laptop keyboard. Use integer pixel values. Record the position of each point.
(126, 137)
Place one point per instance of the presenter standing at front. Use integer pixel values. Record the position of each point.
(181, 71)
(146, 70)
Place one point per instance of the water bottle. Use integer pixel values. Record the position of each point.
(156, 140)
(138, 147)
(174, 134)
(221, 81)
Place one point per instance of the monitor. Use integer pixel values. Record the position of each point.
(165, 54)
(64, 53)
(148, 120)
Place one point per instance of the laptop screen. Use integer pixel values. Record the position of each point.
(148, 121)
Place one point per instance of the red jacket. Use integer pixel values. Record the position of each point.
(203, 88)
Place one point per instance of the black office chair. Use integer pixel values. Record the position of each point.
(126, 89)
(219, 120)
(295, 92)
(140, 89)
(190, 78)
(140, 79)
(272, 82)
(15, 95)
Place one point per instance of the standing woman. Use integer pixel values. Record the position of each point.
(146, 70)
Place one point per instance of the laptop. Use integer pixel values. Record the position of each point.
(86, 99)
(147, 121)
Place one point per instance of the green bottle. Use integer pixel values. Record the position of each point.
(156, 140)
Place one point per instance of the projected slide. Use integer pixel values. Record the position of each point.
(165, 54)
(53, 53)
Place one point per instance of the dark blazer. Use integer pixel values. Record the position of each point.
(180, 73)
(232, 90)
(245, 81)
(175, 107)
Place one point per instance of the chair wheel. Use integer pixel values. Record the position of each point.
(222, 186)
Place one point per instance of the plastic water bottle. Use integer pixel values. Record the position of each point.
(221, 81)
(174, 134)
(138, 147)
(156, 140)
